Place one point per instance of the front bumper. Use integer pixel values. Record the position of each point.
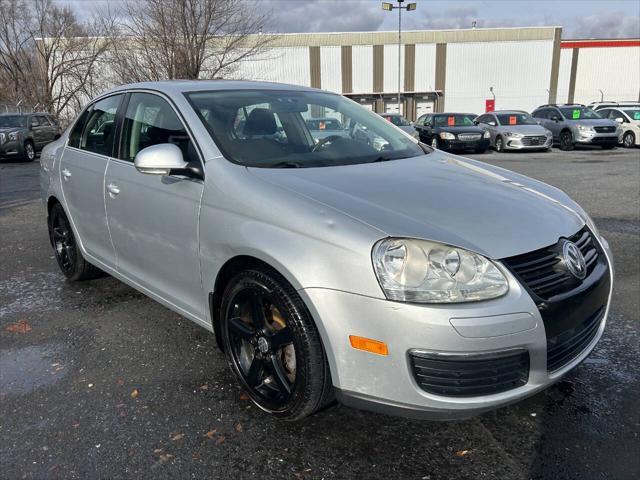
(10, 149)
(597, 139)
(387, 384)
(524, 143)
(481, 144)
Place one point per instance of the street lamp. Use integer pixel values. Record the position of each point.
(409, 8)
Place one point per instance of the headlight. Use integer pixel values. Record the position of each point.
(513, 135)
(486, 134)
(13, 136)
(585, 129)
(1, 138)
(447, 136)
(420, 271)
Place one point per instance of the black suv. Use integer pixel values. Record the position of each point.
(23, 134)
(452, 131)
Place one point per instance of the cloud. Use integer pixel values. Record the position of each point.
(605, 25)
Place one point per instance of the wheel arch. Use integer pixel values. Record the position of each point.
(227, 271)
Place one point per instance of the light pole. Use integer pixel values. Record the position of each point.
(390, 7)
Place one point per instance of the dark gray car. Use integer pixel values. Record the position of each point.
(23, 134)
(573, 124)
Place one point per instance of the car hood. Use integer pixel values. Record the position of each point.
(9, 129)
(524, 129)
(440, 197)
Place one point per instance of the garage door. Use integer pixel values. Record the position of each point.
(424, 106)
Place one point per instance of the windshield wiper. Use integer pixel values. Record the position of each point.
(283, 164)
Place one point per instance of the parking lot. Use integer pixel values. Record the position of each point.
(98, 381)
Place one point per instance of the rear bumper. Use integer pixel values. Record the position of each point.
(391, 384)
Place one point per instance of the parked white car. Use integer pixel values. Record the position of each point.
(629, 120)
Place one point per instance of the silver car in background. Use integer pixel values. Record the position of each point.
(403, 279)
(515, 130)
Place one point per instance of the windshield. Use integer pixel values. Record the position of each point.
(397, 120)
(515, 119)
(290, 129)
(453, 120)
(634, 113)
(13, 121)
(579, 113)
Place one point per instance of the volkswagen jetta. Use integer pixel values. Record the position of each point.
(385, 274)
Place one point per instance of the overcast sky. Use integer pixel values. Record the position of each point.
(580, 18)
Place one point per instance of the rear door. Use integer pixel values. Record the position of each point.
(153, 219)
(37, 131)
(82, 171)
(48, 131)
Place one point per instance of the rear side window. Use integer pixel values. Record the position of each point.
(95, 130)
(149, 121)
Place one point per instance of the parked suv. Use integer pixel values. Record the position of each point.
(629, 119)
(452, 131)
(573, 124)
(402, 280)
(22, 135)
(515, 130)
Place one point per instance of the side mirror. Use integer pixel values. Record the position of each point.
(160, 159)
(555, 118)
(620, 120)
(493, 124)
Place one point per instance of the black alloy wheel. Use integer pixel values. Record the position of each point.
(66, 250)
(566, 141)
(273, 346)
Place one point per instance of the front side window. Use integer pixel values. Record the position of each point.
(8, 121)
(288, 129)
(454, 120)
(515, 119)
(579, 113)
(43, 121)
(149, 121)
(95, 130)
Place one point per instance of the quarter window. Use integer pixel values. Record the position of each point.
(149, 121)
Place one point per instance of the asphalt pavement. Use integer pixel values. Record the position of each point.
(98, 381)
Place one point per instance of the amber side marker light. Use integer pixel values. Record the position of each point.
(368, 345)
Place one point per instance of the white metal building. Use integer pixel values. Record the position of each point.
(453, 70)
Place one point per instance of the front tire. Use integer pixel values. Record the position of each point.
(66, 250)
(629, 140)
(566, 141)
(273, 346)
(435, 143)
(29, 151)
(499, 144)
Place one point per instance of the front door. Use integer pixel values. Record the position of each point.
(82, 170)
(153, 219)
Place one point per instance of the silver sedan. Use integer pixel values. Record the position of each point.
(515, 130)
(388, 275)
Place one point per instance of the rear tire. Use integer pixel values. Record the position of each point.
(566, 141)
(273, 346)
(629, 140)
(66, 250)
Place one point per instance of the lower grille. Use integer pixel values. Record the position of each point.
(544, 271)
(566, 346)
(470, 375)
(534, 140)
(469, 137)
(605, 129)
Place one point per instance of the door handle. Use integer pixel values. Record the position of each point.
(66, 174)
(113, 190)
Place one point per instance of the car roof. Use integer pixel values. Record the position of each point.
(508, 111)
(23, 114)
(176, 87)
(456, 113)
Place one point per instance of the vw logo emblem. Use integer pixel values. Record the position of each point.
(574, 260)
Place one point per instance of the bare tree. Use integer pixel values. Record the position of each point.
(187, 39)
(49, 56)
